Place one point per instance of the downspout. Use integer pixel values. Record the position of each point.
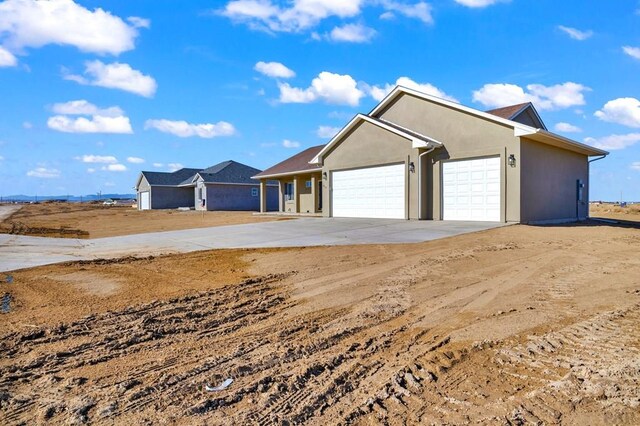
(591, 161)
(420, 212)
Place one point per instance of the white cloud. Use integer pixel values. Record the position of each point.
(420, 10)
(274, 69)
(83, 107)
(328, 87)
(27, 125)
(175, 166)
(634, 52)
(184, 130)
(635, 165)
(1, 158)
(575, 33)
(378, 93)
(115, 168)
(352, 33)
(567, 128)
(477, 3)
(300, 15)
(116, 76)
(7, 59)
(290, 144)
(614, 142)
(91, 170)
(138, 22)
(543, 97)
(105, 159)
(135, 160)
(327, 132)
(625, 111)
(27, 23)
(158, 165)
(43, 172)
(95, 124)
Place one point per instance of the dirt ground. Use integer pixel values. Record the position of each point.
(73, 220)
(615, 212)
(516, 325)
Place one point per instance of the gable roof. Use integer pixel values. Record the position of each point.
(508, 112)
(299, 163)
(418, 140)
(514, 112)
(225, 172)
(520, 130)
(229, 172)
(167, 178)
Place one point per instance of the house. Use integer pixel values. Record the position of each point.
(416, 156)
(225, 186)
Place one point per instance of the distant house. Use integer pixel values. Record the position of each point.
(225, 186)
(416, 156)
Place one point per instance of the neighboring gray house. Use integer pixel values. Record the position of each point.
(416, 156)
(225, 186)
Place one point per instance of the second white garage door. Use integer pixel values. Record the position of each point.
(375, 192)
(471, 189)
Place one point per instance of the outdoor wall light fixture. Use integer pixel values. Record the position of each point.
(412, 167)
(324, 175)
(512, 160)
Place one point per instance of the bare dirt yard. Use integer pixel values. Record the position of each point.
(630, 213)
(73, 220)
(516, 325)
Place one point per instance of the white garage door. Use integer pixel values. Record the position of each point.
(376, 192)
(144, 201)
(471, 189)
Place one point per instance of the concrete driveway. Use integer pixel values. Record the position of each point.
(17, 252)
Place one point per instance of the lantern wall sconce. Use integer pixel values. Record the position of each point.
(512, 160)
(412, 167)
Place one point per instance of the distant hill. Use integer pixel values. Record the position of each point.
(70, 198)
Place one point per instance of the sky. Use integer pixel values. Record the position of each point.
(93, 92)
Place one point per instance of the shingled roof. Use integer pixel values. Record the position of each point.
(229, 172)
(297, 163)
(225, 172)
(169, 178)
(508, 112)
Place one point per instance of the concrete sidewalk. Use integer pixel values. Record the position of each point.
(17, 252)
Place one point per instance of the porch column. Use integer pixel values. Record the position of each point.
(314, 193)
(296, 194)
(263, 196)
(280, 196)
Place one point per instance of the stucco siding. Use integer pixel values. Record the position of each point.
(549, 183)
(368, 145)
(170, 197)
(464, 136)
(144, 185)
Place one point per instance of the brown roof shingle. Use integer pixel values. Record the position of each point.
(509, 111)
(297, 163)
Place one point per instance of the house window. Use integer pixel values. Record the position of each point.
(199, 193)
(254, 192)
(288, 191)
(307, 184)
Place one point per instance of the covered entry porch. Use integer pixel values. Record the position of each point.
(297, 194)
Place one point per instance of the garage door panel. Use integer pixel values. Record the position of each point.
(145, 201)
(471, 189)
(373, 192)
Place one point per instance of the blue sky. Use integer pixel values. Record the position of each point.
(92, 92)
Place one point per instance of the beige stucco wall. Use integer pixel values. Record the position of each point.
(306, 202)
(464, 136)
(549, 183)
(368, 145)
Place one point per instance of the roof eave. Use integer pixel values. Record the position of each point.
(544, 136)
(297, 172)
(416, 142)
